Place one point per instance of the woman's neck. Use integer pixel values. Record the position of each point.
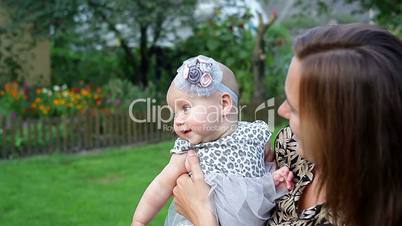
(313, 194)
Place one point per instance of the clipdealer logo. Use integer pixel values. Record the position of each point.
(163, 115)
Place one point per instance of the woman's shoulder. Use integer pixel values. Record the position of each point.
(285, 146)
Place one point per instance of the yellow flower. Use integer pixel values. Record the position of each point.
(44, 109)
(38, 100)
(58, 101)
(85, 92)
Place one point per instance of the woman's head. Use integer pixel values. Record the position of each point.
(350, 110)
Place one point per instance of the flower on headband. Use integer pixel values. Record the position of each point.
(206, 80)
(199, 76)
(194, 74)
(199, 73)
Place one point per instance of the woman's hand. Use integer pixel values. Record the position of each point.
(191, 195)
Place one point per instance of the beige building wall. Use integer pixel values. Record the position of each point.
(33, 55)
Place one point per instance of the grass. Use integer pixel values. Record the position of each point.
(96, 188)
(100, 188)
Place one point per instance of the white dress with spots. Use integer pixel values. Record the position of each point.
(241, 189)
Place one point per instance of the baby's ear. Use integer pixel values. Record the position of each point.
(226, 102)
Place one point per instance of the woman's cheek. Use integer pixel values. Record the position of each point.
(294, 123)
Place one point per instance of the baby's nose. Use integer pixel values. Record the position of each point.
(180, 119)
(178, 123)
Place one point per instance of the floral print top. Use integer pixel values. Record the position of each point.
(285, 212)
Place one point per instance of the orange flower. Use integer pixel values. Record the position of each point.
(12, 88)
(85, 92)
(59, 101)
(44, 109)
(56, 101)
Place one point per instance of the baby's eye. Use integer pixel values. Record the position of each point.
(186, 108)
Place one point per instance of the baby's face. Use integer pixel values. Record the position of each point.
(197, 119)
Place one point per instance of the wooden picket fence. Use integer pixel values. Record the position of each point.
(92, 130)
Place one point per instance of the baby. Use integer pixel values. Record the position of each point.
(204, 97)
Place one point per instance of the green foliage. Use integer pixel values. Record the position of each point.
(388, 12)
(122, 92)
(10, 59)
(12, 99)
(82, 52)
(278, 57)
(230, 40)
(213, 37)
(79, 26)
(90, 66)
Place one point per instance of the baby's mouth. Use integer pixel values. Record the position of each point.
(185, 132)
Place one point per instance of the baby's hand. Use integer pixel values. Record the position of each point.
(283, 178)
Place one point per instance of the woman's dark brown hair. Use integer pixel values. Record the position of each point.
(351, 119)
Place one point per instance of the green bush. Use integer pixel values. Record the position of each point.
(90, 66)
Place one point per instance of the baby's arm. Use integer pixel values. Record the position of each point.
(269, 157)
(269, 154)
(160, 189)
(283, 177)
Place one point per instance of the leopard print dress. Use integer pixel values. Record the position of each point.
(241, 189)
(285, 213)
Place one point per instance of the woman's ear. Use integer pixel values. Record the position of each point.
(226, 103)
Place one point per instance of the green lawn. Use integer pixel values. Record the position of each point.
(95, 188)
(100, 188)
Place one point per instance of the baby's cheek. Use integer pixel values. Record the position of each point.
(198, 115)
(175, 128)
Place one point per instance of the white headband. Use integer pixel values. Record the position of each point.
(202, 76)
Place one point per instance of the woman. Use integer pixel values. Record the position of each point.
(344, 106)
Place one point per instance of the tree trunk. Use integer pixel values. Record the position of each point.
(129, 55)
(258, 68)
(144, 57)
(130, 58)
(259, 58)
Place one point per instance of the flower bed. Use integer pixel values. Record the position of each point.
(30, 101)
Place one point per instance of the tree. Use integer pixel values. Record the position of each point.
(388, 13)
(131, 24)
(144, 24)
(259, 56)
